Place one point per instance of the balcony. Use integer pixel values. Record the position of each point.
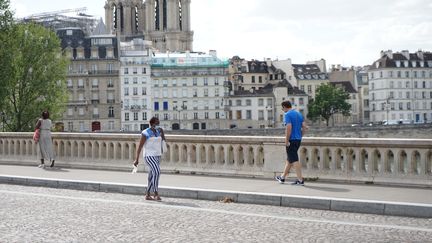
(103, 72)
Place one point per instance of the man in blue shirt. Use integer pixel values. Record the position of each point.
(295, 127)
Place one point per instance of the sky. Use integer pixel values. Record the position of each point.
(351, 33)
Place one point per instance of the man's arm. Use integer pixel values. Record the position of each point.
(288, 133)
(304, 128)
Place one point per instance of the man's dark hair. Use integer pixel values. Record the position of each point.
(286, 104)
(45, 115)
(153, 120)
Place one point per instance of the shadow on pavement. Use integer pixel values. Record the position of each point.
(55, 169)
(191, 205)
(328, 189)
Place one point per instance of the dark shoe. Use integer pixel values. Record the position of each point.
(148, 197)
(280, 179)
(52, 163)
(298, 183)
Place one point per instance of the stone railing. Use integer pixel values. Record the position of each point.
(393, 161)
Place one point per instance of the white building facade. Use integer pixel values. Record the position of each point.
(135, 80)
(400, 87)
(188, 90)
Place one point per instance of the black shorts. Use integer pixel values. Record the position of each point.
(292, 151)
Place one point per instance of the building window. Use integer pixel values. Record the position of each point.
(110, 83)
(216, 92)
(205, 92)
(126, 71)
(194, 81)
(135, 116)
(144, 70)
(165, 105)
(135, 91)
(144, 91)
(248, 114)
(205, 81)
(259, 79)
(260, 102)
(238, 102)
(126, 116)
(144, 116)
(309, 89)
(253, 79)
(126, 91)
(156, 106)
(195, 115)
(248, 102)
(217, 115)
(111, 112)
(216, 81)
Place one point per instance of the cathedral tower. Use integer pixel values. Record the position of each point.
(164, 22)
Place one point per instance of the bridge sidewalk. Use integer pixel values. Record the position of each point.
(404, 201)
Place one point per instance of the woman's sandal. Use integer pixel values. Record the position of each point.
(157, 198)
(149, 198)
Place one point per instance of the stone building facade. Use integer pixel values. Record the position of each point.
(92, 82)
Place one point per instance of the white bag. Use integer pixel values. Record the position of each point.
(164, 147)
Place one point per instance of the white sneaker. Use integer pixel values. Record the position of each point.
(41, 166)
(135, 169)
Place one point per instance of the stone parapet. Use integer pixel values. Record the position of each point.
(365, 160)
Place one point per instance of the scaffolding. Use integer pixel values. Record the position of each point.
(63, 19)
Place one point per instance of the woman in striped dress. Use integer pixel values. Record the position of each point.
(151, 140)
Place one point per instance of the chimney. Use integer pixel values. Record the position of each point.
(389, 53)
(420, 54)
(406, 54)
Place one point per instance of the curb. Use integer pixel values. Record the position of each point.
(321, 203)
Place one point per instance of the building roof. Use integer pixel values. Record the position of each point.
(403, 59)
(309, 72)
(255, 66)
(345, 85)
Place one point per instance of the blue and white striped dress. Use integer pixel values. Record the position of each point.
(152, 156)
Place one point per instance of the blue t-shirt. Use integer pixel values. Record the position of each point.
(294, 118)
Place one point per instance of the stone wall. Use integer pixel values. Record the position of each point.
(422, 131)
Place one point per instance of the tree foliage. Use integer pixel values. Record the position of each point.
(6, 15)
(32, 76)
(328, 101)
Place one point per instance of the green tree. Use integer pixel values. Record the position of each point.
(6, 15)
(32, 76)
(328, 101)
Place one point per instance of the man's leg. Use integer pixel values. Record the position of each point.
(288, 166)
(298, 168)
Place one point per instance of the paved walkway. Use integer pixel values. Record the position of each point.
(361, 198)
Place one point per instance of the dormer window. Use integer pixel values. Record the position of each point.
(421, 63)
(414, 63)
(406, 63)
(398, 63)
(94, 53)
(80, 53)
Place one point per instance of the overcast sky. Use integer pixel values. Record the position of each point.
(340, 31)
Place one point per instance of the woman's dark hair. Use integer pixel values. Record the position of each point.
(153, 120)
(286, 104)
(45, 115)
